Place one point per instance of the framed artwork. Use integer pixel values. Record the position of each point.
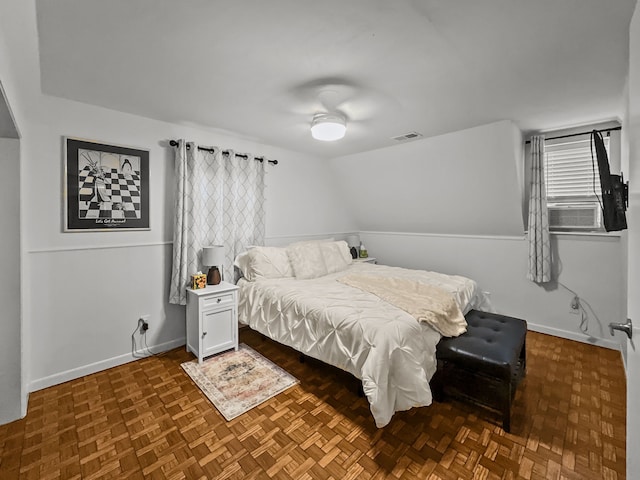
(106, 187)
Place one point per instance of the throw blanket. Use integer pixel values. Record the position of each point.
(426, 303)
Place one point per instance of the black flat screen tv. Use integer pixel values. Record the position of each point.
(614, 190)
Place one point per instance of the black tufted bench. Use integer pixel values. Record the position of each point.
(485, 364)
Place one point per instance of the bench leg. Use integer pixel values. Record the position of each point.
(506, 408)
(437, 388)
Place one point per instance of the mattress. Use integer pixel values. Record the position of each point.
(386, 348)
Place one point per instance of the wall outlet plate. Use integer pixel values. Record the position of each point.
(574, 306)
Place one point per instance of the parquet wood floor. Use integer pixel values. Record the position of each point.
(147, 419)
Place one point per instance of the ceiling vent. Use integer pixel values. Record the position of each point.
(407, 136)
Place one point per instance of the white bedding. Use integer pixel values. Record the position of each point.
(385, 347)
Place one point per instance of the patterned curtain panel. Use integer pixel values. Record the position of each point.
(219, 201)
(538, 239)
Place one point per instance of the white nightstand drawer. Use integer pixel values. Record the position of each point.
(215, 300)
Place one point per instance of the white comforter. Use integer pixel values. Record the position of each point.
(385, 347)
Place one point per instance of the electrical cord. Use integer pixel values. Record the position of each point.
(586, 311)
(134, 349)
(151, 352)
(584, 317)
(145, 351)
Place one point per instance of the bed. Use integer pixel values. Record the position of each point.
(307, 296)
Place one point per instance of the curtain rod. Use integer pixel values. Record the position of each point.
(578, 134)
(174, 143)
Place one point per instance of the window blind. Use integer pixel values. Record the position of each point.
(569, 171)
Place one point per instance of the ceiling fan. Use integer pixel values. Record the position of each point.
(332, 103)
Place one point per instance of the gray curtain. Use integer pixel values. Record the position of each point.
(219, 201)
(538, 237)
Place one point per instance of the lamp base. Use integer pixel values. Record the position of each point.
(213, 277)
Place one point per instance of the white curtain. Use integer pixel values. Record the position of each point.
(219, 201)
(538, 238)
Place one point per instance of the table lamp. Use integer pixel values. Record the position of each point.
(213, 257)
(354, 244)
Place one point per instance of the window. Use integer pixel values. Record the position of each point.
(573, 184)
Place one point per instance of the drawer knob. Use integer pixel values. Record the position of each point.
(219, 300)
(204, 334)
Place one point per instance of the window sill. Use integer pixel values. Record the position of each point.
(589, 234)
(584, 234)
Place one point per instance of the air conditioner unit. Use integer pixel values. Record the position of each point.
(575, 216)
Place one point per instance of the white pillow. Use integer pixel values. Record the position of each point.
(264, 262)
(242, 262)
(306, 260)
(336, 255)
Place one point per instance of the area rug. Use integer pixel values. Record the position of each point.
(237, 381)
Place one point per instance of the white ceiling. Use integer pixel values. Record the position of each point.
(257, 68)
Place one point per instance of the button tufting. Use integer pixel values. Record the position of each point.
(475, 351)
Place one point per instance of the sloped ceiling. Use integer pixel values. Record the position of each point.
(461, 183)
(258, 68)
(7, 126)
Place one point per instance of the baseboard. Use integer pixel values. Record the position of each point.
(74, 373)
(578, 337)
(24, 405)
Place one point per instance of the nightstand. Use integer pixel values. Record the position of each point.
(212, 319)
(365, 260)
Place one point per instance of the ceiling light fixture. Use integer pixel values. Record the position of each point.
(328, 127)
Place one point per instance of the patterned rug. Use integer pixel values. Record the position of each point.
(235, 382)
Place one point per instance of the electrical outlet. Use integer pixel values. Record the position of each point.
(144, 323)
(574, 306)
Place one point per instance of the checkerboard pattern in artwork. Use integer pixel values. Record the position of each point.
(122, 190)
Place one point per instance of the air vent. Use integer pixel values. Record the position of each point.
(575, 217)
(407, 136)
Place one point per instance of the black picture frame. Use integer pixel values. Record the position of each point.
(106, 187)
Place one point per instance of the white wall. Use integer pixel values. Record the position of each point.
(84, 292)
(17, 103)
(633, 218)
(462, 182)
(302, 198)
(590, 266)
(454, 204)
(10, 352)
(87, 290)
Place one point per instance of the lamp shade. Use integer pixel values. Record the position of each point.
(353, 240)
(328, 127)
(213, 255)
